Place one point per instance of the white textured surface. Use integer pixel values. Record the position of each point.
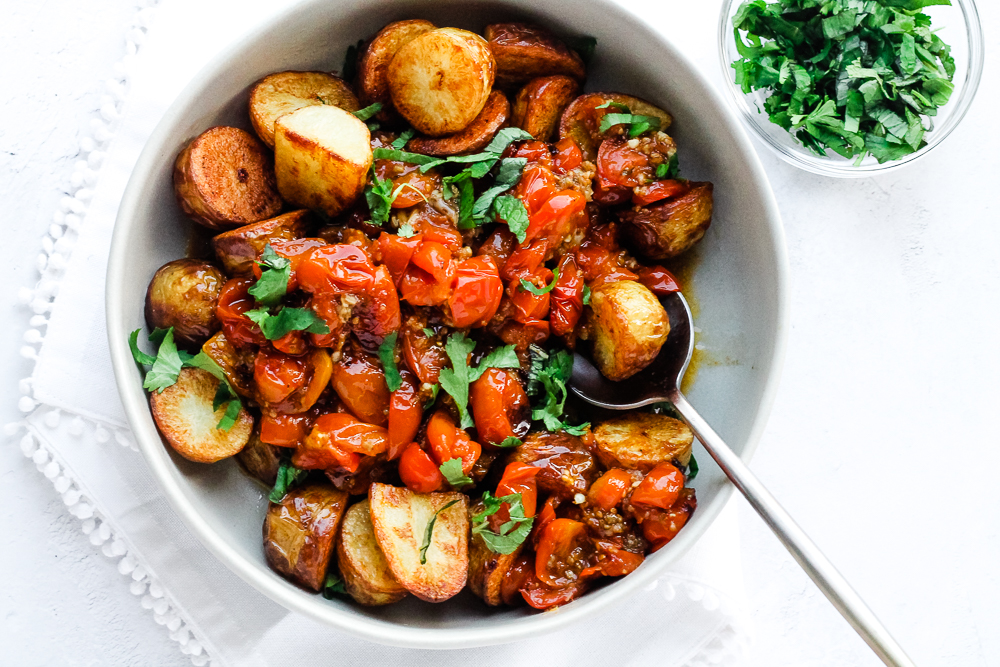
(882, 442)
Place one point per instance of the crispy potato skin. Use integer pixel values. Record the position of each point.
(373, 80)
(662, 231)
(300, 530)
(487, 568)
(524, 51)
(259, 459)
(225, 178)
(183, 413)
(629, 328)
(400, 519)
(581, 121)
(183, 294)
(641, 440)
(440, 81)
(362, 564)
(239, 248)
(473, 138)
(322, 156)
(567, 464)
(236, 364)
(541, 102)
(284, 92)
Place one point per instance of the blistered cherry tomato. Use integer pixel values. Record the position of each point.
(568, 155)
(433, 258)
(413, 187)
(359, 381)
(658, 280)
(338, 440)
(418, 471)
(448, 442)
(395, 252)
(516, 576)
(563, 552)
(523, 334)
(284, 430)
(546, 516)
(293, 342)
(378, 314)
(327, 308)
(476, 293)
(499, 406)
(608, 194)
(529, 306)
(617, 164)
(540, 596)
(644, 195)
(295, 251)
(419, 288)
(234, 300)
(661, 526)
(556, 217)
(537, 184)
(533, 151)
(518, 478)
(567, 297)
(660, 487)
(524, 261)
(405, 412)
(499, 245)
(276, 375)
(336, 269)
(616, 561)
(422, 355)
(609, 489)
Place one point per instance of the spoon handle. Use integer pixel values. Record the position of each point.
(805, 552)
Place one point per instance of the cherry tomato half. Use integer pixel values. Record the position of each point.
(617, 164)
(661, 526)
(660, 487)
(563, 552)
(476, 293)
(499, 406)
(422, 353)
(359, 381)
(405, 413)
(234, 300)
(658, 280)
(568, 155)
(644, 195)
(338, 440)
(518, 478)
(395, 253)
(607, 492)
(378, 315)
(418, 471)
(567, 297)
(336, 269)
(447, 442)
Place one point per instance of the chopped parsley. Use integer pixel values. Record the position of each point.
(428, 534)
(368, 111)
(584, 47)
(547, 378)
(456, 380)
(273, 282)
(668, 169)
(452, 471)
(287, 320)
(405, 231)
(538, 291)
(333, 585)
(512, 211)
(403, 138)
(636, 123)
(288, 477)
(387, 355)
(510, 442)
(512, 533)
(586, 295)
(857, 78)
(692, 468)
(379, 196)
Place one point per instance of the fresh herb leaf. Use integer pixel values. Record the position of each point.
(505, 138)
(402, 139)
(287, 320)
(692, 468)
(166, 366)
(456, 379)
(584, 46)
(387, 354)
(333, 585)
(379, 196)
(233, 408)
(512, 533)
(368, 111)
(428, 534)
(404, 156)
(510, 441)
(511, 210)
(288, 477)
(140, 357)
(501, 357)
(669, 169)
(405, 231)
(538, 291)
(434, 396)
(462, 183)
(452, 471)
(586, 295)
(273, 282)
(580, 429)
(507, 177)
(637, 124)
(547, 379)
(428, 332)
(350, 68)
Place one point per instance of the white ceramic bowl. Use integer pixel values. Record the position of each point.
(740, 282)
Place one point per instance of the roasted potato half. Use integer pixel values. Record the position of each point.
(567, 466)
(524, 51)
(183, 294)
(629, 327)
(299, 533)
(581, 121)
(641, 440)
(440, 80)
(541, 102)
(373, 80)
(225, 178)
(183, 413)
(362, 564)
(487, 569)
(284, 92)
(662, 231)
(259, 459)
(239, 248)
(473, 138)
(322, 155)
(400, 518)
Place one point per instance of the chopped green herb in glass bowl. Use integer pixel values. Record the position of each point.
(851, 88)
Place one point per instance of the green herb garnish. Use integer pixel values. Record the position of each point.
(586, 295)
(387, 355)
(368, 111)
(507, 177)
(510, 442)
(512, 211)
(452, 471)
(547, 378)
(403, 138)
(692, 468)
(584, 47)
(288, 476)
(456, 380)
(333, 585)
(430, 531)
(538, 291)
(379, 197)
(512, 533)
(637, 124)
(287, 320)
(273, 282)
(350, 68)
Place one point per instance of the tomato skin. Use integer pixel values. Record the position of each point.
(617, 562)
(448, 442)
(518, 478)
(556, 217)
(338, 440)
(659, 488)
(536, 186)
(533, 151)
(359, 381)
(325, 307)
(293, 343)
(499, 406)
(405, 413)
(418, 471)
(561, 553)
(644, 195)
(515, 578)
(499, 245)
(528, 305)
(277, 375)
(420, 353)
(421, 186)
(524, 261)
(546, 516)
(395, 253)
(609, 490)
(476, 293)
(283, 430)
(295, 251)
(568, 155)
(433, 258)
(419, 288)
(567, 297)
(661, 526)
(234, 300)
(379, 314)
(607, 194)
(336, 269)
(617, 164)
(658, 280)
(522, 334)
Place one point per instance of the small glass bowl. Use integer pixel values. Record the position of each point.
(966, 48)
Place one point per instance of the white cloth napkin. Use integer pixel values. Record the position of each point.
(78, 436)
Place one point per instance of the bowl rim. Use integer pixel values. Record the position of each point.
(829, 165)
(135, 401)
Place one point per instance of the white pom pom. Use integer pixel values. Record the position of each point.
(29, 352)
(27, 445)
(82, 511)
(57, 262)
(156, 590)
(95, 159)
(38, 321)
(84, 194)
(126, 565)
(51, 419)
(118, 547)
(33, 336)
(76, 180)
(62, 484)
(161, 606)
(695, 592)
(25, 404)
(87, 144)
(47, 244)
(173, 623)
(88, 526)
(101, 434)
(76, 427)
(58, 217)
(52, 470)
(199, 660)
(41, 262)
(146, 602)
(11, 428)
(40, 457)
(55, 231)
(137, 587)
(194, 647)
(71, 497)
(138, 573)
(668, 591)
(73, 221)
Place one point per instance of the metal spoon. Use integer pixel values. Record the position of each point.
(660, 382)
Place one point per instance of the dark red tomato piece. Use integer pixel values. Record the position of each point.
(661, 526)
(659, 488)
(476, 293)
(607, 194)
(516, 577)
(556, 217)
(234, 300)
(568, 156)
(499, 245)
(447, 236)
(609, 489)
(336, 269)
(567, 297)
(284, 430)
(523, 334)
(563, 552)
(359, 381)
(339, 440)
(327, 308)
(613, 561)
(658, 280)
(540, 596)
(418, 471)
(419, 288)
(644, 195)
(295, 251)
(518, 478)
(421, 352)
(536, 186)
(524, 261)
(433, 258)
(617, 164)
(546, 516)
(378, 315)
(448, 442)
(395, 252)
(293, 342)
(405, 413)
(499, 406)
(534, 151)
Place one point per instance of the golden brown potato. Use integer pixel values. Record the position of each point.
(236, 363)
(224, 178)
(362, 564)
(373, 80)
(239, 248)
(440, 81)
(183, 294)
(284, 92)
(259, 459)
(322, 155)
(488, 568)
(640, 440)
(400, 518)
(524, 51)
(300, 530)
(183, 413)
(629, 328)
(581, 121)
(662, 231)
(540, 103)
(568, 467)
(473, 138)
